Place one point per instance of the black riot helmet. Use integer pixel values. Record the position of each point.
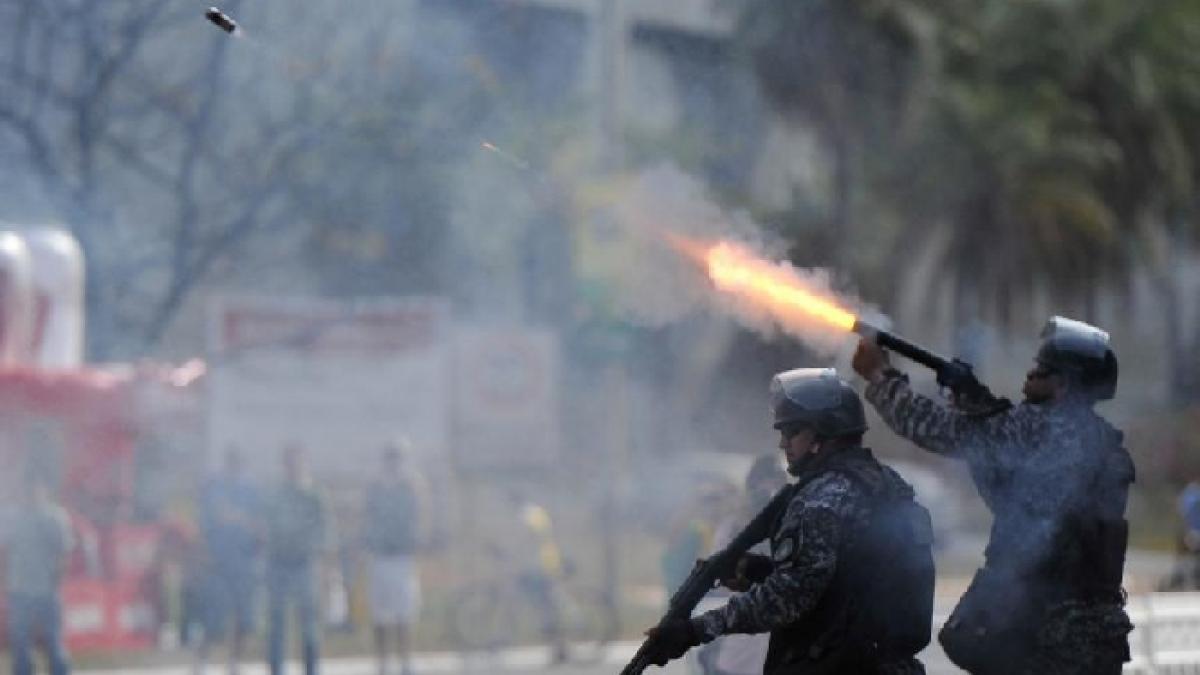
(1080, 351)
(817, 398)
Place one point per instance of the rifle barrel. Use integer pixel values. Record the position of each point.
(899, 345)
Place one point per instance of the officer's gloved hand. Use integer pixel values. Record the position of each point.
(755, 567)
(870, 360)
(672, 640)
(751, 569)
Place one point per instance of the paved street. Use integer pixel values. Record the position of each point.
(530, 660)
(1142, 567)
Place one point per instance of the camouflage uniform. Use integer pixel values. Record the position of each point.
(1041, 469)
(826, 512)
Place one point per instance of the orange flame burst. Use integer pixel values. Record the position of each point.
(778, 290)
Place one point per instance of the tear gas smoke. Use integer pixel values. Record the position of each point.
(226, 23)
(667, 213)
(800, 302)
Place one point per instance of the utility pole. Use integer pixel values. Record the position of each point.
(613, 34)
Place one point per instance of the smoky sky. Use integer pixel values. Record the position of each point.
(659, 285)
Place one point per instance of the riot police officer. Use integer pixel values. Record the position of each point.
(848, 587)
(1056, 478)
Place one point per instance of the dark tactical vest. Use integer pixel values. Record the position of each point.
(1086, 558)
(993, 629)
(1089, 560)
(879, 605)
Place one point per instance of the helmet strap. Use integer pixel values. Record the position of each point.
(839, 442)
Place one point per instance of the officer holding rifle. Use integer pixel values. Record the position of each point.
(848, 586)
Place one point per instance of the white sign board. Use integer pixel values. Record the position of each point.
(506, 396)
(340, 378)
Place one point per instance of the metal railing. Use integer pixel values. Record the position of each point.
(1166, 634)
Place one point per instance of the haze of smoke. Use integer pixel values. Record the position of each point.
(660, 286)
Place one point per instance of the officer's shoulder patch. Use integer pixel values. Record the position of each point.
(784, 549)
(830, 491)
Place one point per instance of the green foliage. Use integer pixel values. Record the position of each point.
(1054, 143)
(1051, 125)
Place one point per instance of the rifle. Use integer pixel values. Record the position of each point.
(708, 572)
(969, 394)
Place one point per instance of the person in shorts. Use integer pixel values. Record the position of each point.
(395, 524)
